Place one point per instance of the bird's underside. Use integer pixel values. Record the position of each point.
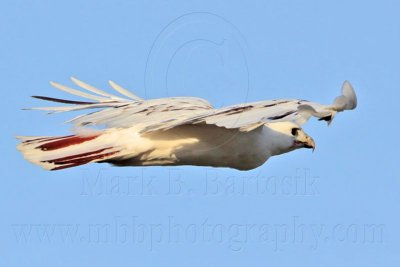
(200, 145)
(176, 131)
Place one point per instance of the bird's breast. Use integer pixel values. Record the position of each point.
(221, 147)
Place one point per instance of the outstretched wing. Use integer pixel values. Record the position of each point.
(247, 117)
(167, 113)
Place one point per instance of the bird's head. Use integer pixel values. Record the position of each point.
(289, 136)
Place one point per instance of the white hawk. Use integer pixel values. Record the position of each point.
(176, 130)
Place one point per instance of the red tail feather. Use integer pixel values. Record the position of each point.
(80, 159)
(66, 141)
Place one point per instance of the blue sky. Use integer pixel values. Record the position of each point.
(334, 207)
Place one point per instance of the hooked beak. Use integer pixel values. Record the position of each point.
(305, 141)
(310, 144)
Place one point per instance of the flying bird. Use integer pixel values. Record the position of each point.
(127, 130)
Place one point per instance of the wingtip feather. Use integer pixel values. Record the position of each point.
(347, 100)
(123, 91)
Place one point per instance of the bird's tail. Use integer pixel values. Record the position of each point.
(56, 153)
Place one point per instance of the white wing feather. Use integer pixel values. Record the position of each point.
(123, 91)
(77, 92)
(95, 90)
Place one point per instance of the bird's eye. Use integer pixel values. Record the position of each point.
(294, 131)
